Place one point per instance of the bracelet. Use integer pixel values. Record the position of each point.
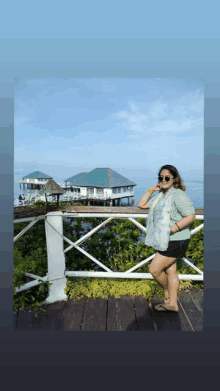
(178, 227)
(150, 191)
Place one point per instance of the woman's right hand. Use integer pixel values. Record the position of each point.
(156, 187)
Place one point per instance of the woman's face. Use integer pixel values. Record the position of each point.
(165, 186)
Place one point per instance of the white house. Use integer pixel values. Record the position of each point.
(100, 184)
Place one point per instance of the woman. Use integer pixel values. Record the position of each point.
(170, 213)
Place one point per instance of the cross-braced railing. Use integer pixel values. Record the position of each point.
(56, 259)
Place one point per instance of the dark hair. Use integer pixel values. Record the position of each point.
(177, 181)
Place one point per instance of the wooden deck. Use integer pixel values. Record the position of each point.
(124, 314)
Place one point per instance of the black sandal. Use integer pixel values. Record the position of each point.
(159, 306)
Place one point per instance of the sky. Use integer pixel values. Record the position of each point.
(133, 126)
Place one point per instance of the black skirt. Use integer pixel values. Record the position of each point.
(176, 248)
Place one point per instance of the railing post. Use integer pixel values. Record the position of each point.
(55, 257)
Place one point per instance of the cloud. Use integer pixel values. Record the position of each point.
(133, 120)
(175, 126)
(158, 111)
(192, 102)
(139, 122)
(179, 117)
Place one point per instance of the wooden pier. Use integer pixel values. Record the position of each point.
(112, 314)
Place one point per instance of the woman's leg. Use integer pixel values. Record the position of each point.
(168, 271)
(157, 267)
(173, 285)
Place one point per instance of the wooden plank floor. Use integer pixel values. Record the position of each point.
(124, 314)
(189, 317)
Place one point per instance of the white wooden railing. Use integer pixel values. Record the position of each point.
(56, 258)
(33, 181)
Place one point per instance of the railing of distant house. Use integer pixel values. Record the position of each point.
(56, 253)
(34, 181)
(18, 203)
(68, 197)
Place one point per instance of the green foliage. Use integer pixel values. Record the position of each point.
(30, 257)
(117, 245)
(35, 263)
(195, 252)
(77, 288)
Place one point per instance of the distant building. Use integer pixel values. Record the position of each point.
(100, 184)
(35, 180)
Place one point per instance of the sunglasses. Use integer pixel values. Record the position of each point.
(167, 178)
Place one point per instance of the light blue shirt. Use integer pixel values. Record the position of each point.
(181, 206)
